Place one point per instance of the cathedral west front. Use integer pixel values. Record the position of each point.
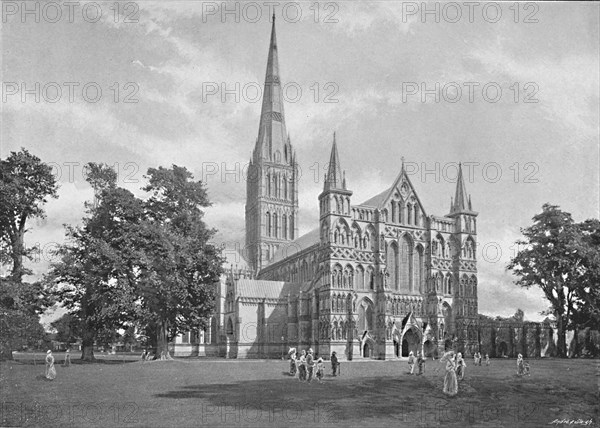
(373, 279)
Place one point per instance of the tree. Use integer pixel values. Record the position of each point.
(26, 183)
(94, 278)
(177, 282)
(67, 329)
(556, 256)
(144, 262)
(587, 311)
(519, 315)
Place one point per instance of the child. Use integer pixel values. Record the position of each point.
(420, 363)
(487, 359)
(320, 369)
(411, 362)
(334, 363)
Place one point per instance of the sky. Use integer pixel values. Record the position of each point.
(509, 89)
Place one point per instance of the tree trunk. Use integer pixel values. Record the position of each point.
(87, 346)
(5, 351)
(162, 342)
(17, 257)
(575, 344)
(561, 345)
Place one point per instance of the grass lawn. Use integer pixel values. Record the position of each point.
(193, 392)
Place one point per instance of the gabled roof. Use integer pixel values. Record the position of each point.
(376, 200)
(381, 199)
(294, 247)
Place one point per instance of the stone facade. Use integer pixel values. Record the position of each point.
(376, 279)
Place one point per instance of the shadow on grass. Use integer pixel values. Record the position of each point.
(340, 399)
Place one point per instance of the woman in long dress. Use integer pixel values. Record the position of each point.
(520, 365)
(302, 367)
(67, 362)
(50, 370)
(292, 354)
(460, 366)
(450, 382)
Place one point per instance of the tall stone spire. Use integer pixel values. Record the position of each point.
(272, 134)
(334, 179)
(273, 176)
(460, 197)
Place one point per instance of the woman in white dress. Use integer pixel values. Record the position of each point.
(450, 382)
(50, 370)
(520, 365)
(460, 366)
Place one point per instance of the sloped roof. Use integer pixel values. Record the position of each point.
(376, 200)
(292, 248)
(257, 288)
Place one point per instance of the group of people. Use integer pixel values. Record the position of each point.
(455, 370)
(305, 367)
(420, 361)
(455, 366)
(146, 355)
(50, 369)
(477, 359)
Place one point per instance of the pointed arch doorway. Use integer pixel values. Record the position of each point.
(397, 340)
(367, 346)
(411, 342)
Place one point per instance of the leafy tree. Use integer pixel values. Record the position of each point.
(557, 257)
(587, 310)
(130, 338)
(147, 262)
(19, 327)
(26, 183)
(67, 328)
(94, 278)
(177, 282)
(519, 316)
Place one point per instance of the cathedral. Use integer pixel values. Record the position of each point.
(373, 279)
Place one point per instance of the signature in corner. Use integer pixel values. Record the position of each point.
(571, 422)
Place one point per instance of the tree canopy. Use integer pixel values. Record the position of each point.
(561, 257)
(143, 261)
(26, 184)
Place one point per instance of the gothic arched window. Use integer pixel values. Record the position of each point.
(392, 264)
(406, 265)
(268, 183)
(360, 277)
(268, 223)
(419, 268)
